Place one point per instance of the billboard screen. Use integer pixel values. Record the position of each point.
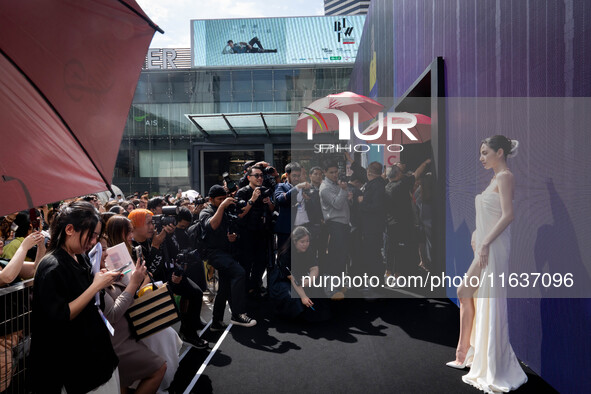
(276, 41)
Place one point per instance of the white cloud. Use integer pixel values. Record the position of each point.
(174, 16)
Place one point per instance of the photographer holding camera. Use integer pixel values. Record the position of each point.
(289, 196)
(255, 229)
(188, 264)
(218, 246)
(163, 268)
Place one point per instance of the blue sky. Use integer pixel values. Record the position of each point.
(173, 16)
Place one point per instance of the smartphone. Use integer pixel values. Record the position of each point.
(138, 253)
(34, 217)
(120, 269)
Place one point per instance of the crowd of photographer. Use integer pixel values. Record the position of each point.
(313, 223)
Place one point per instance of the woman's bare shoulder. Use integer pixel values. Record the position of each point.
(505, 176)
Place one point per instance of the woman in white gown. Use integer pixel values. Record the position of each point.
(484, 333)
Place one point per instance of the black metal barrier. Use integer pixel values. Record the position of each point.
(15, 336)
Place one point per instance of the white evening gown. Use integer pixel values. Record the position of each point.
(495, 367)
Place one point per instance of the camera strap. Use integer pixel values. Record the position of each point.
(154, 287)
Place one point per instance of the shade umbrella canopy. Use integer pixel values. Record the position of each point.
(68, 72)
(191, 195)
(421, 131)
(348, 102)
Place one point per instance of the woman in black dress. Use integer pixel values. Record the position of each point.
(71, 346)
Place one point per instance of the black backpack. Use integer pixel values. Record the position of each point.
(197, 236)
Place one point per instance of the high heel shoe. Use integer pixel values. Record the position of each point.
(467, 360)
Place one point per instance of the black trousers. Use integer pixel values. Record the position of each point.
(255, 248)
(190, 291)
(317, 241)
(402, 254)
(338, 250)
(372, 261)
(231, 285)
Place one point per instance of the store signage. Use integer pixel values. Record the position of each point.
(344, 30)
(161, 59)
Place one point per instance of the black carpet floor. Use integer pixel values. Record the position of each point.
(382, 346)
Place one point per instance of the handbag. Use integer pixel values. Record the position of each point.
(152, 312)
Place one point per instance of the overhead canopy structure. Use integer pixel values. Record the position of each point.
(68, 72)
(241, 124)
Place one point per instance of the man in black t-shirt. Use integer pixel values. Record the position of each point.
(254, 226)
(401, 249)
(218, 244)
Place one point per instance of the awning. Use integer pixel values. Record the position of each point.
(244, 124)
(68, 70)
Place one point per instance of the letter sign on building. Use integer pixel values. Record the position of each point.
(161, 58)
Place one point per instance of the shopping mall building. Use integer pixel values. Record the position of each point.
(199, 112)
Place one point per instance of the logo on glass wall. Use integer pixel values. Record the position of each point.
(402, 121)
(389, 127)
(344, 30)
(146, 121)
(316, 117)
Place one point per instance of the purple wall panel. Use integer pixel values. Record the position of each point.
(512, 48)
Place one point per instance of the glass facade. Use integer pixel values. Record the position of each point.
(157, 147)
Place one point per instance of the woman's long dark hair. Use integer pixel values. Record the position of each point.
(297, 234)
(118, 227)
(80, 214)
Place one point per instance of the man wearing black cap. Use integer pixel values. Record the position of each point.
(155, 205)
(218, 250)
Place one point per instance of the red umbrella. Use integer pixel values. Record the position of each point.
(421, 130)
(323, 119)
(68, 72)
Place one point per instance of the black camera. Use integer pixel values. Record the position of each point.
(230, 184)
(180, 264)
(265, 192)
(343, 177)
(168, 217)
(310, 192)
(269, 178)
(235, 209)
(184, 259)
(200, 200)
(232, 212)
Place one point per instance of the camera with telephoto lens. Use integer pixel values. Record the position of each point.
(168, 217)
(269, 178)
(230, 184)
(232, 212)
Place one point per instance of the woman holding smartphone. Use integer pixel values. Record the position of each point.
(136, 361)
(71, 347)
